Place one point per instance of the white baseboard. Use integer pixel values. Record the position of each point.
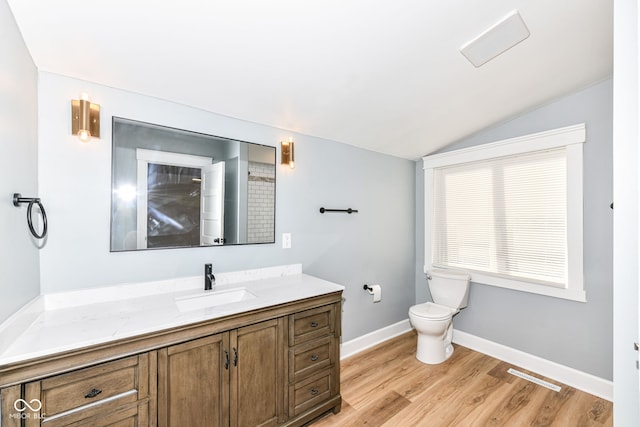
(371, 339)
(564, 374)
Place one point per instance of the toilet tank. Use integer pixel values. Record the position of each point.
(449, 287)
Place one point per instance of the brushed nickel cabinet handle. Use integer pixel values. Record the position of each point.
(235, 357)
(314, 324)
(314, 357)
(93, 393)
(314, 391)
(226, 359)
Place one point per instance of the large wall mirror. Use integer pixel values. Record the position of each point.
(175, 188)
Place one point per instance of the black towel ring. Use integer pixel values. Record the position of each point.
(18, 199)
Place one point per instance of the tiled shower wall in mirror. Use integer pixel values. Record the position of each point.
(261, 207)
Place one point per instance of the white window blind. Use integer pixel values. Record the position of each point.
(505, 216)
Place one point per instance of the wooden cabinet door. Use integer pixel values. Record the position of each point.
(193, 383)
(258, 374)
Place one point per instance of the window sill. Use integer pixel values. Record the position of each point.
(578, 295)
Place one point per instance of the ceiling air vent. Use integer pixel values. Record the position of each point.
(498, 39)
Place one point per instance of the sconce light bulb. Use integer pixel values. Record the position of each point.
(84, 135)
(84, 96)
(292, 164)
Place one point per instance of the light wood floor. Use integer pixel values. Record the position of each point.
(387, 386)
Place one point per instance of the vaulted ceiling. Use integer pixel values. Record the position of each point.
(382, 75)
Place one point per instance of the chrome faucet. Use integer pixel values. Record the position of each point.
(209, 278)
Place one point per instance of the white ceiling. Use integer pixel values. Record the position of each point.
(383, 75)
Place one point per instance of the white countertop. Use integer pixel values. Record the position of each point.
(67, 321)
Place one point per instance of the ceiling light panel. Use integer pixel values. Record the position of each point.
(496, 40)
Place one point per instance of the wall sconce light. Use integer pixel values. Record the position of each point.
(286, 150)
(85, 118)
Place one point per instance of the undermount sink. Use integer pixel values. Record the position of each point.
(213, 299)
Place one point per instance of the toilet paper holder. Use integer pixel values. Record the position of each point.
(374, 290)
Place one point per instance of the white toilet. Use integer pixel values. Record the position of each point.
(434, 320)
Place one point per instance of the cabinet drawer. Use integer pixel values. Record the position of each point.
(135, 415)
(109, 382)
(309, 392)
(310, 324)
(307, 358)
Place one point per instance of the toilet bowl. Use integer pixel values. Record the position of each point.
(434, 324)
(433, 321)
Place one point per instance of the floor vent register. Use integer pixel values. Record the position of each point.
(534, 380)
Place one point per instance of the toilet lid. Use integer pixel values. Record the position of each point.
(431, 311)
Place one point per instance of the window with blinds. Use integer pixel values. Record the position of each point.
(505, 216)
(510, 212)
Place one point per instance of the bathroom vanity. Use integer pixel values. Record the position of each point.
(261, 349)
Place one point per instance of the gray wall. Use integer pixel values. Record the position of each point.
(375, 245)
(574, 334)
(19, 266)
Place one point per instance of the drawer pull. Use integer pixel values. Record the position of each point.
(93, 393)
(314, 357)
(314, 324)
(314, 391)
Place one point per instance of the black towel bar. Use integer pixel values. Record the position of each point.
(349, 211)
